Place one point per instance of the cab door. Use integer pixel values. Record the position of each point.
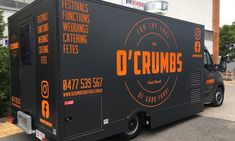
(209, 77)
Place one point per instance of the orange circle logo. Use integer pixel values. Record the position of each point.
(155, 62)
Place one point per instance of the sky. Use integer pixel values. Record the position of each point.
(227, 12)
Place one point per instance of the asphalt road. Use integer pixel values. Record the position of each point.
(214, 124)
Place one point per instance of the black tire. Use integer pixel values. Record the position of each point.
(218, 98)
(134, 128)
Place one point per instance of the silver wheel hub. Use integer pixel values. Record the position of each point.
(133, 125)
(219, 97)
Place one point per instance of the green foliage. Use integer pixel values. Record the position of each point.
(227, 43)
(4, 80)
(2, 25)
(4, 72)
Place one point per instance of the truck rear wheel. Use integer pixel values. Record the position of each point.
(218, 98)
(134, 128)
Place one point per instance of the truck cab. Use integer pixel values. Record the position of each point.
(213, 88)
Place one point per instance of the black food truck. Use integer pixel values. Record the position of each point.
(87, 70)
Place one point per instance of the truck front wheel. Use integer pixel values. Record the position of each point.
(134, 128)
(218, 98)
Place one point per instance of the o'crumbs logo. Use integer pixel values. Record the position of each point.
(150, 62)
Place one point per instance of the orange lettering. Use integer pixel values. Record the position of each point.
(74, 5)
(44, 60)
(14, 45)
(179, 62)
(172, 62)
(137, 71)
(121, 63)
(75, 16)
(42, 18)
(70, 49)
(43, 49)
(75, 27)
(164, 62)
(46, 122)
(43, 28)
(146, 62)
(43, 39)
(155, 62)
(74, 38)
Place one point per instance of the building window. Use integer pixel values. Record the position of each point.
(164, 5)
(209, 35)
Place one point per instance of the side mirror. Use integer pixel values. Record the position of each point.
(222, 67)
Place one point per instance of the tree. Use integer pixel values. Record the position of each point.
(227, 43)
(4, 71)
(4, 80)
(2, 25)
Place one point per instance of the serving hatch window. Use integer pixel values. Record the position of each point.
(25, 44)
